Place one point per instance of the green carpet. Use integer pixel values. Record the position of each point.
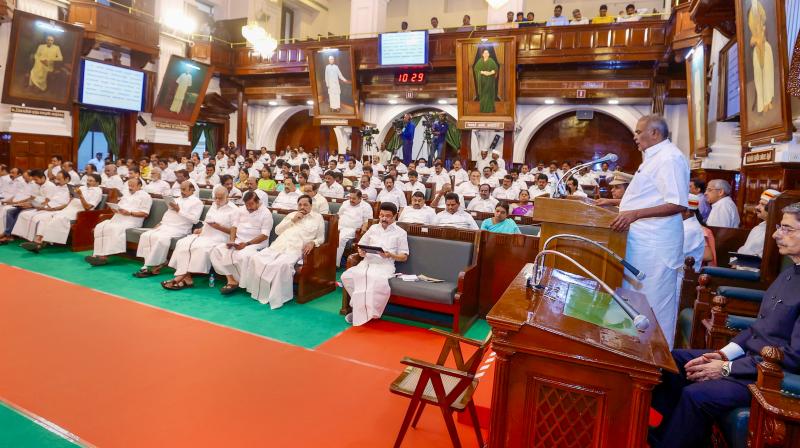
(17, 430)
(307, 325)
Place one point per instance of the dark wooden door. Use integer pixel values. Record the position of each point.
(567, 138)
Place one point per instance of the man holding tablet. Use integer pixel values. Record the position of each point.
(368, 282)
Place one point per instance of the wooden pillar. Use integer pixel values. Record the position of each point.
(356, 142)
(241, 122)
(508, 148)
(465, 151)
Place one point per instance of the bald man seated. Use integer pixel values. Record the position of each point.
(129, 212)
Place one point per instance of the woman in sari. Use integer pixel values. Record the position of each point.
(486, 81)
(241, 182)
(500, 223)
(524, 207)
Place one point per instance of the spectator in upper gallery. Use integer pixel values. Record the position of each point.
(577, 18)
(520, 17)
(530, 17)
(403, 26)
(466, 24)
(603, 17)
(435, 26)
(557, 18)
(723, 209)
(630, 14)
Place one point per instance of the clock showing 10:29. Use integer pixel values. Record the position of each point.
(406, 77)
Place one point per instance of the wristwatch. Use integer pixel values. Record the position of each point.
(726, 368)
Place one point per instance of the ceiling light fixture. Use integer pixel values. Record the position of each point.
(392, 101)
(261, 41)
(613, 101)
(549, 101)
(442, 101)
(310, 102)
(273, 103)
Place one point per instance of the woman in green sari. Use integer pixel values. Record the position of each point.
(486, 81)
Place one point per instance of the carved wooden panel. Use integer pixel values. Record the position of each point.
(32, 151)
(759, 178)
(115, 26)
(560, 414)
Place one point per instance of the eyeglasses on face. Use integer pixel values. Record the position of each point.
(784, 229)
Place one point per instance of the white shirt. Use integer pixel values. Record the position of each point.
(56, 195)
(508, 194)
(114, 182)
(188, 214)
(478, 204)
(158, 187)
(12, 187)
(353, 217)
(92, 195)
(99, 164)
(392, 239)
(491, 181)
(467, 189)
(335, 190)
(694, 241)
(369, 193)
(208, 180)
(483, 162)
(354, 172)
(222, 216)
(250, 225)
(287, 201)
(439, 179)
(423, 215)
(395, 196)
(583, 21)
(442, 202)
(168, 175)
(459, 176)
(292, 236)
(459, 219)
(754, 245)
(320, 205)
(723, 213)
(123, 171)
(175, 191)
(527, 177)
(535, 191)
(414, 187)
(435, 31)
(295, 161)
(136, 202)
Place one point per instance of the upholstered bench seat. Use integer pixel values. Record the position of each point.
(443, 292)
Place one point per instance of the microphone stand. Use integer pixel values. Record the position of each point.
(560, 191)
(640, 321)
(632, 269)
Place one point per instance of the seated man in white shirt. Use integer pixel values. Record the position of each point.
(294, 158)
(541, 187)
(368, 282)
(458, 174)
(399, 165)
(754, 245)
(573, 189)
(630, 15)
(210, 179)
(438, 200)
(507, 190)
(226, 181)
(484, 202)
(414, 184)
(250, 229)
(577, 18)
(156, 184)
(723, 210)
(109, 236)
(270, 277)
(252, 185)
(74, 177)
(604, 171)
(98, 162)
(354, 214)
(319, 203)
(489, 179)
(470, 189)
(453, 216)
(439, 176)
(352, 170)
(167, 174)
(422, 168)
(330, 188)
(418, 211)
(52, 197)
(183, 213)
(525, 174)
(374, 180)
(392, 194)
(287, 199)
(368, 192)
(111, 179)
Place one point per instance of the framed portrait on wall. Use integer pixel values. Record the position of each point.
(696, 87)
(42, 62)
(182, 90)
(486, 77)
(765, 109)
(333, 86)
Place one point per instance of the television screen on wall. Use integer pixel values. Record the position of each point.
(111, 86)
(403, 49)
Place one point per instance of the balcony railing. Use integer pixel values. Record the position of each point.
(115, 26)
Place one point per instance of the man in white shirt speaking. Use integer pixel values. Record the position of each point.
(368, 282)
(651, 213)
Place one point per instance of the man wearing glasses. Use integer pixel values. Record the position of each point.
(709, 385)
(723, 209)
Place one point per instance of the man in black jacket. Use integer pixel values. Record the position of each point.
(709, 385)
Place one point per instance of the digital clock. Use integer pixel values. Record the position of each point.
(406, 77)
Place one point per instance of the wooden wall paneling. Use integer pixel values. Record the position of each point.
(241, 122)
(466, 148)
(781, 177)
(33, 151)
(162, 150)
(299, 129)
(567, 138)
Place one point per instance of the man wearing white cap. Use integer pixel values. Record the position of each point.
(694, 241)
(496, 157)
(483, 160)
(754, 245)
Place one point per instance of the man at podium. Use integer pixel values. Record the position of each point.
(651, 213)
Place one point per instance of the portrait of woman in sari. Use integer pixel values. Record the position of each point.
(485, 70)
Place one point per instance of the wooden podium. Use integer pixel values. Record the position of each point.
(578, 217)
(570, 370)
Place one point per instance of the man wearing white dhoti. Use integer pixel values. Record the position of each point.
(14, 192)
(130, 212)
(52, 198)
(270, 277)
(249, 233)
(332, 77)
(651, 212)
(184, 81)
(47, 54)
(182, 213)
(193, 253)
(368, 282)
(54, 228)
(353, 215)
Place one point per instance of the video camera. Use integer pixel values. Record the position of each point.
(368, 131)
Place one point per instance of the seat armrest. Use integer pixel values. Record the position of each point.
(436, 367)
(748, 294)
(731, 274)
(791, 384)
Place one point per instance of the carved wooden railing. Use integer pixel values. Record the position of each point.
(116, 26)
(630, 41)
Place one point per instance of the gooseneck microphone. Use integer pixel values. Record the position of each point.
(560, 191)
(640, 321)
(568, 236)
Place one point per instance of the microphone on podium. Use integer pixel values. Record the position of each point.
(568, 236)
(559, 191)
(640, 321)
